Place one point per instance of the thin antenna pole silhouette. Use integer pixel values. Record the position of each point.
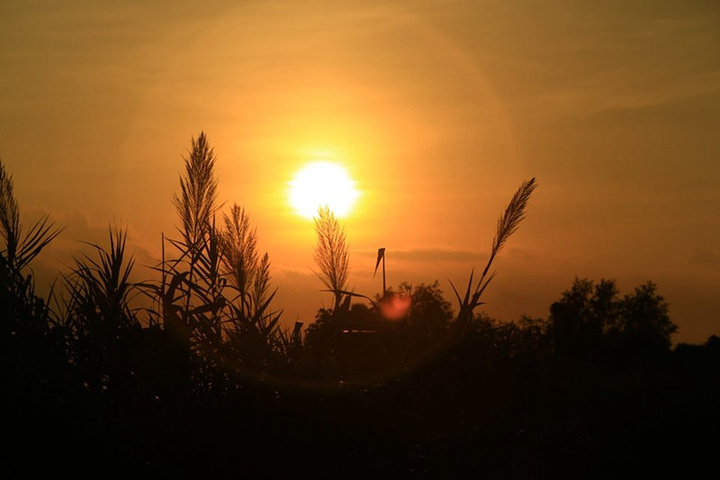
(162, 284)
(381, 256)
(384, 288)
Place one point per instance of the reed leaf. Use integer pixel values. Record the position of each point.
(21, 249)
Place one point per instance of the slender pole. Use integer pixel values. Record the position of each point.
(384, 289)
(162, 284)
(381, 256)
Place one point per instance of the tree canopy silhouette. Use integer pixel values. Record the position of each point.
(591, 320)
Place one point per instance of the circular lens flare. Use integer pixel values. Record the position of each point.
(395, 306)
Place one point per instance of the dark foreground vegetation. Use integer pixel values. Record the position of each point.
(206, 383)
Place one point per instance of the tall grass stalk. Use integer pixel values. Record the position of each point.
(196, 207)
(507, 225)
(331, 253)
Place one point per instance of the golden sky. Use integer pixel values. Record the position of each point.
(439, 110)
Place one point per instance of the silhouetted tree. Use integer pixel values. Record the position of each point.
(321, 346)
(430, 314)
(590, 320)
(645, 324)
(577, 327)
(360, 341)
(426, 316)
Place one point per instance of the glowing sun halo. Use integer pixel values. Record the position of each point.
(321, 184)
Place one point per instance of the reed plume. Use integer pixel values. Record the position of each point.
(507, 224)
(331, 253)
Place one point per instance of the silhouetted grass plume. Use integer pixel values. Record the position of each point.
(507, 224)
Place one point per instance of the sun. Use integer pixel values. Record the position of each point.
(320, 184)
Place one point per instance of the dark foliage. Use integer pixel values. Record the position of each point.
(591, 322)
(207, 384)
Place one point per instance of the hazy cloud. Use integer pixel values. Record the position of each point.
(79, 231)
(432, 254)
(706, 258)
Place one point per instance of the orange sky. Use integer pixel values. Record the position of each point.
(438, 109)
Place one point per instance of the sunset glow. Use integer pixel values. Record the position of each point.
(475, 238)
(322, 184)
(431, 113)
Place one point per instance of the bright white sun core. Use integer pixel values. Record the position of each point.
(321, 184)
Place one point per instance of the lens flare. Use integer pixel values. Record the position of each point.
(395, 306)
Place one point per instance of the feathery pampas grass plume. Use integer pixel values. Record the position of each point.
(507, 224)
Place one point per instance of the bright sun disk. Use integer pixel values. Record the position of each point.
(321, 184)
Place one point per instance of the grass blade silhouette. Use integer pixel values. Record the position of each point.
(507, 225)
(21, 249)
